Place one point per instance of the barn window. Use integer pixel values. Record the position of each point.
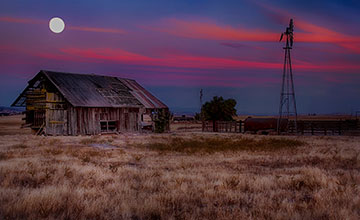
(108, 126)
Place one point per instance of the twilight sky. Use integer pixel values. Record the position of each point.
(174, 48)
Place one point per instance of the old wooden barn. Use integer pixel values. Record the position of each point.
(60, 103)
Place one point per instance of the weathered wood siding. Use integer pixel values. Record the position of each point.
(35, 107)
(86, 121)
(63, 119)
(56, 114)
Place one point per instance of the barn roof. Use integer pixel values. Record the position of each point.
(90, 90)
(141, 94)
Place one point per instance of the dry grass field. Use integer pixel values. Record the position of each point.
(12, 124)
(179, 176)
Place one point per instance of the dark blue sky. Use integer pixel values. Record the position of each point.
(175, 48)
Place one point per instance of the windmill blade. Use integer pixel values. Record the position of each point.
(281, 37)
(291, 40)
(291, 25)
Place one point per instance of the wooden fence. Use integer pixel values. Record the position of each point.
(325, 127)
(223, 126)
(313, 127)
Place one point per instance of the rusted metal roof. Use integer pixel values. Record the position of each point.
(83, 90)
(141, 94)
(90, 90)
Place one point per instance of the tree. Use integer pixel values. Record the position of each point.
(162, 120)
(219, 109)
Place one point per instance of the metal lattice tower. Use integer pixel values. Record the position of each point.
(287, 108)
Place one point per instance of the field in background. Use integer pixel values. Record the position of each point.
(11, 125)
(182, 175)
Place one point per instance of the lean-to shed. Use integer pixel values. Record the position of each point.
(60, 103)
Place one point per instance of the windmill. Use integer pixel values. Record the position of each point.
(287, 108)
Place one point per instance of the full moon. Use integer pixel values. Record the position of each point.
(56, 25)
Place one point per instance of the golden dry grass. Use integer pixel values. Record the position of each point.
(72, 178)
(186, 126)
(10, 125)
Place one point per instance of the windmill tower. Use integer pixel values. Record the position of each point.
(287, 108)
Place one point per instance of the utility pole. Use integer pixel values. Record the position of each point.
(201, 112)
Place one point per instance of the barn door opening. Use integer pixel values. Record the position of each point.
(35, 118)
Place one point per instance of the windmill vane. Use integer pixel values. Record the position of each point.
(289, 33)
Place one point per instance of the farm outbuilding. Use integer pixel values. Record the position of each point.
(60, 103)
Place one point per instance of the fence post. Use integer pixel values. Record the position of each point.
(302, 128)
(312, 128)
(340, 127)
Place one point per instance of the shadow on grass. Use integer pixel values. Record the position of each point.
(212, 145)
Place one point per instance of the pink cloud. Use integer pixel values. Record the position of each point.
(199, 62)
(107, 54)
(353, 47)
(21, 20)
(211, 31)
(312, 33)
(181, 61)
(100, 30)
(208, 80)
(55, 56)
(321, 34)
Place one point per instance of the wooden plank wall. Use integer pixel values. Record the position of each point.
(86, 121)
(56, 114)
(35, 107)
